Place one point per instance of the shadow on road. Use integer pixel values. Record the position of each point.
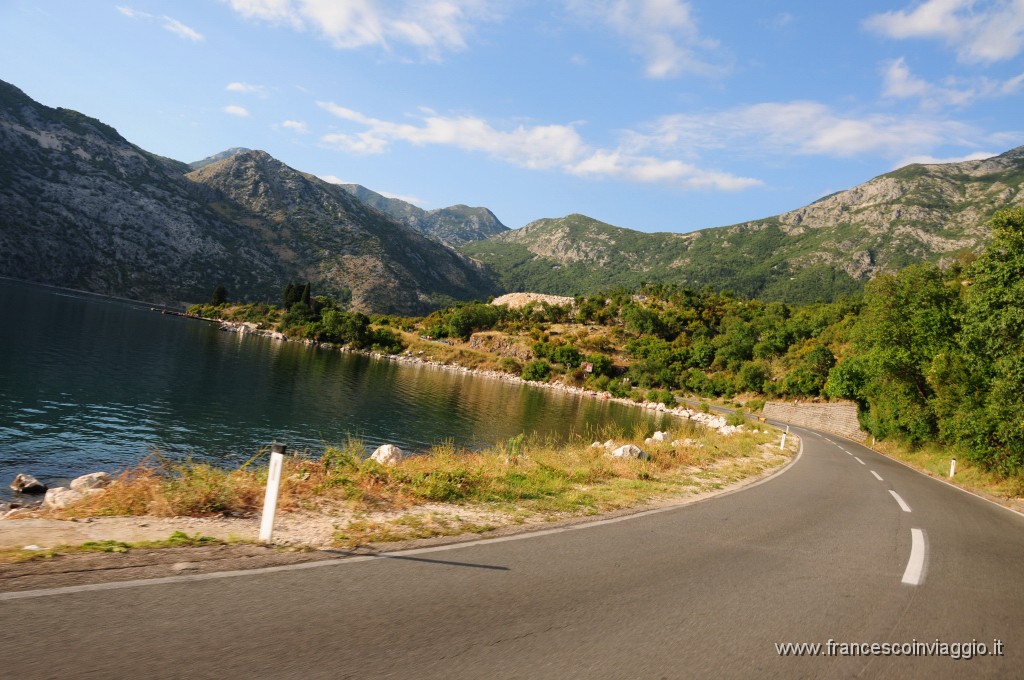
(390, 556)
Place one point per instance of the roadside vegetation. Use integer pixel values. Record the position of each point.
(520, 480)
(932, 356)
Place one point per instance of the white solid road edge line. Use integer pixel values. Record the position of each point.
(877, 476)
(903, 504)
(914, 574)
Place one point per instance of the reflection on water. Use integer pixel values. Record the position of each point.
(89, 383)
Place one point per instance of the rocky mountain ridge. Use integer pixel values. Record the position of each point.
(82, 207)
(823, 250)
(453, 226)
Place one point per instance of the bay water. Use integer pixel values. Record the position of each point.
(90, 383)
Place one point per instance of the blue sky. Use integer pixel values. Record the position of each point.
(658, 115)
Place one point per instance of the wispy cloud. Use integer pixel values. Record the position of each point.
(663, 32)
(239, 111)
(431, 26)
(932, 160)
(542, 146)
(538, 147)
(900, 83)
(334, 179)
(247, 88)
(168, 23)
(802, 128)
(981, 31)
(295, 126)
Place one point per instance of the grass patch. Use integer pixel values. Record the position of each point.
(178, 539)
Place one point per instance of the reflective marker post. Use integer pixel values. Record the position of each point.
(952, 468)
(273, 484)
(783, 444)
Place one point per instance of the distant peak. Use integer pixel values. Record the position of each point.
(227, 153)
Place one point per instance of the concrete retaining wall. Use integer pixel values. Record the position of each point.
(839, 417)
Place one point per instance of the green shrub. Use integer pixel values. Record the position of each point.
(537, 370)
(510, 365)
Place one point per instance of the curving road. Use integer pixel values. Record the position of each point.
(844, 545)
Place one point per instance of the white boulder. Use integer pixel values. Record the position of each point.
(61, 497)
(93, 480)
(388, 454)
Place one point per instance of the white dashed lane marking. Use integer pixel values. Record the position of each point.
(903, 504)
(914, 574)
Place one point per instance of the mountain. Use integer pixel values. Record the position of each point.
(821, 251)
(82, 207)
(453, 226)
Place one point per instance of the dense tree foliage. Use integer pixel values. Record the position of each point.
(938, 355)
(219, 296)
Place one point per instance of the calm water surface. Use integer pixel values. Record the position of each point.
(91, 383)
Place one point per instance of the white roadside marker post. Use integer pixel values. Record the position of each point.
(952, 468)
(273, 484)
(783, 444)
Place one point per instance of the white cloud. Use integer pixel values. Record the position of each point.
(543, 146)
(334, 179)
(181, 30)
(648, 170)
(900, 83)
(169, 23)
(981, 31)
(801, 128)
(663, 32)
(431, 26)
(296, 126)
(133, 14)
(239, 111)
(932, 160)
(247, 88)
(403, 197)
(538, 147)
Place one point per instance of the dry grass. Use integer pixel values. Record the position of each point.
(935, 460)
(520, 480)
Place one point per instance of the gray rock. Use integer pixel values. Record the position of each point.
(630, 451)
(28, 484)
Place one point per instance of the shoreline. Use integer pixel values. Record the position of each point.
(709, 420)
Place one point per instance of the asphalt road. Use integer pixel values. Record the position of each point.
(822, 551)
